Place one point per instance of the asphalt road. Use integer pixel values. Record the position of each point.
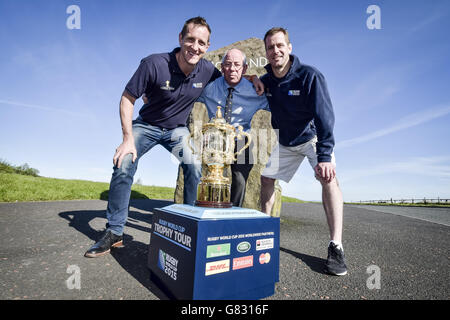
(42, 246)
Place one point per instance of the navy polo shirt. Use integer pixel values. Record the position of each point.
(170, 92)
(301, 107)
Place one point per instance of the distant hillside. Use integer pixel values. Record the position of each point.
(19, 187)
(24, 169)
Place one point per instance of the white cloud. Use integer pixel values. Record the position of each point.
(404, 123)
(437, 167)
(428, 20)
(45, 108)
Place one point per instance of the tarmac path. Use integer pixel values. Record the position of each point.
(42, 246)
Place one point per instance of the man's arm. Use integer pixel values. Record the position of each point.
(326, 171)
(257, 83)
(324, 121)
(126, 118)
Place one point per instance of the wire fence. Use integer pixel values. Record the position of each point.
(411, 201)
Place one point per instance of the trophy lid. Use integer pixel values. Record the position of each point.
(219, 123)
(219, 118)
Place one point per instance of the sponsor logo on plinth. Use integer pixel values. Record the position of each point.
(242, 262)
(243, 246)
(218, 250)
(264, 244)
(217, 267)
(264, 258)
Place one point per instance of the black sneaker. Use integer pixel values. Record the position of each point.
(104, 245)
(335, 264)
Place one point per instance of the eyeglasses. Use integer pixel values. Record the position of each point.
(229, 65)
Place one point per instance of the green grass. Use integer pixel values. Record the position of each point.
(290, 199)
(23, 169)
(18, 187)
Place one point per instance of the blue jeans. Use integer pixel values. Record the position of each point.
(146, 137)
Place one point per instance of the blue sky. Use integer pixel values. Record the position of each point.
(60, 88)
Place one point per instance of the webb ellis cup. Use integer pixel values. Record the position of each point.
(217, 151)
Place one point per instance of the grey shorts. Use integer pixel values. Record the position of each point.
(284, 161)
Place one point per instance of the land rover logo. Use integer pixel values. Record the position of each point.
(243, 246)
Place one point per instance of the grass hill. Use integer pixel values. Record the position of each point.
(22, 183)
(17, 187)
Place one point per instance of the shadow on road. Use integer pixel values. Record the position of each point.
(134, 195)
(133, 256)
(314, 263)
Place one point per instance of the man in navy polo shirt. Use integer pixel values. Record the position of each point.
(303, 116)
(171, 82)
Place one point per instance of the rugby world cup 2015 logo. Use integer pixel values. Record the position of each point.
(168, 264)
(162, 260)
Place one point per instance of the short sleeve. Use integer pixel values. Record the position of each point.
(139, 81)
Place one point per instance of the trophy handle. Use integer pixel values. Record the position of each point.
(249, 140)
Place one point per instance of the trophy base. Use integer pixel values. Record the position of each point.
(213, 204)
(214, 194)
